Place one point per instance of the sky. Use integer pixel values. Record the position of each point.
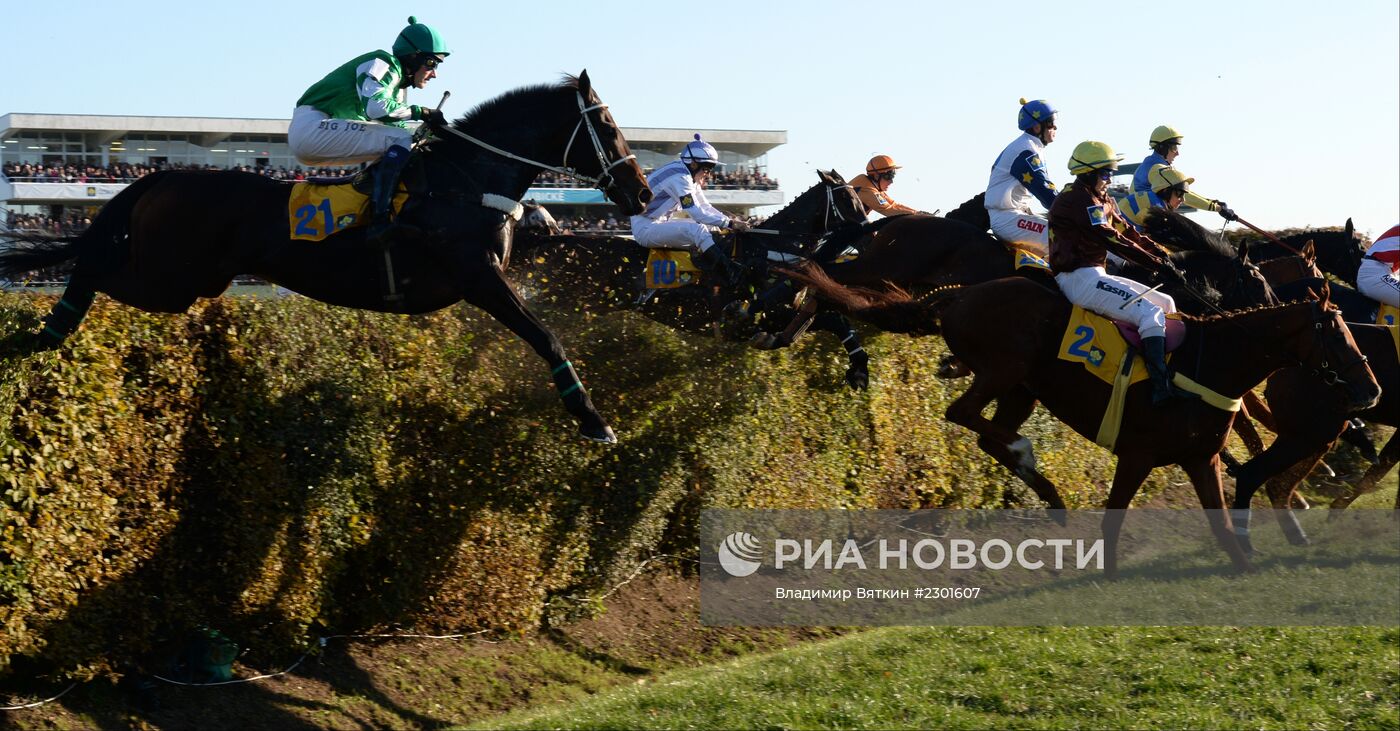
(1290, 110)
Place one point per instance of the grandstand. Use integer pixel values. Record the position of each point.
(64, 166)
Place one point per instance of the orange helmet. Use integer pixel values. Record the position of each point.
(880, 164)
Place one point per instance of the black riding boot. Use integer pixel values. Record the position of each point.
(716, 263)
(1154, 353)
(383, 229)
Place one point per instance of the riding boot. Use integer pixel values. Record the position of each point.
(714, 262)
(384, 229)
(1154, 353)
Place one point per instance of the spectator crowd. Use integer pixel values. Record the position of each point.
(741, 179)
(122, 172)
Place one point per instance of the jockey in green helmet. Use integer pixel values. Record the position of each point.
(358, 113)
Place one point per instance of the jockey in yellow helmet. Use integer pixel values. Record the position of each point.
(1166, 145)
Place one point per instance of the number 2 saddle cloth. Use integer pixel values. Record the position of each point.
(1108, 349)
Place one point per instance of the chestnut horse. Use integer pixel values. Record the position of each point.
(175, 236)
(1008, 332)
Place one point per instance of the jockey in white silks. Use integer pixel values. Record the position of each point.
(678, 186)
(1018, 177)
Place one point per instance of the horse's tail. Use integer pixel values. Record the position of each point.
(973, 213)
(22, 251)
(893, 310)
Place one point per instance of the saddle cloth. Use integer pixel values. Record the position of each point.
(1388, 315)
(1025, 258)
(1103, 347)
(316, 210)
(669, 269)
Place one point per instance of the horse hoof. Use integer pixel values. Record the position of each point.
(1299, 540)
(858, 380)
(952, 368)
(763, 341)
(605, 436)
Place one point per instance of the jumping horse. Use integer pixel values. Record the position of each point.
(175, 236)
(1008, 330)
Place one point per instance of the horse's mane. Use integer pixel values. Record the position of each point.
(794, 201)
(973, 212)
(1175, 231)
(1233, 314)
(486, 114)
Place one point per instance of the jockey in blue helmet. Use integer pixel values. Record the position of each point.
(1019, 175)
(678, 186)
(358, 113)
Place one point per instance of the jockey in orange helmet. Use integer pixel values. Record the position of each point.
(871, 187)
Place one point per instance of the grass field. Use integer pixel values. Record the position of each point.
(1036, 677)
(1051, 678)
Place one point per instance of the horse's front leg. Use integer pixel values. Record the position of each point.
(1205, 477)
(1285, 452)
(1389, 455)
(490, 291)
(858, 361)
(1132, 469)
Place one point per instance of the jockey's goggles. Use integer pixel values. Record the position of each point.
(888, 174)
(1174, 190)
(1106, 174)
(431, 62)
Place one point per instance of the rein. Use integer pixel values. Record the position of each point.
(604, 179)
(1268, 236)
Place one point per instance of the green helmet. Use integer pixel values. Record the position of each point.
(419, 38)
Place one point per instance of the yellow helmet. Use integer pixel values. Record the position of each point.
(1091, 155)
(880, 164)
(1162, 134)
(1162, 177)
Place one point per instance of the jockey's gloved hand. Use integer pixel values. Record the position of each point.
(1225, 212)
(433, 117)
(737, 225)
(1172, 273)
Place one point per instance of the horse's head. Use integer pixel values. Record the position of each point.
(845, 206)
(1231, 281)
(1338, 252)
(1333, 355)
(605, 155)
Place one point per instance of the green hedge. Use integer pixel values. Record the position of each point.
(280, 468)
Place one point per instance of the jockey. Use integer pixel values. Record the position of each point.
(357, 114)
(1377, 276)
(1166, 145)
(678, 186)
(1085, 226)
(1169, 190)
(1018, 174)
(871, 187)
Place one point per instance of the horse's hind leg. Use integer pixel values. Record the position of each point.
(999, 438)
(492, 293)
(68, 313)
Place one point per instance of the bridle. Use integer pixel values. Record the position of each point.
(832, 208)
(605, 179)
(1331, 377)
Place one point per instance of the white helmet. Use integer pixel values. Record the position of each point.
(700, 151)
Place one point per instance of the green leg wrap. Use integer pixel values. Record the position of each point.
(565, 379)
(65, 317)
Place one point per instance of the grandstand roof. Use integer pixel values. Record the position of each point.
(214, 129)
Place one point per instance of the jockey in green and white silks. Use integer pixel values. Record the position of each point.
(358, 113)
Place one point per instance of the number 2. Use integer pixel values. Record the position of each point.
(1085, 334)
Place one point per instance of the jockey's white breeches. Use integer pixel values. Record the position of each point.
(1022, 227)
(1097, 291)
(676, 234)
(1375, 280)
(316, 139)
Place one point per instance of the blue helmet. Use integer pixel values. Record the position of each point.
(700, 151)
(1033, 113)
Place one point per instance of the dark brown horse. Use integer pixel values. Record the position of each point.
(173, 237)
(1008, 332)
